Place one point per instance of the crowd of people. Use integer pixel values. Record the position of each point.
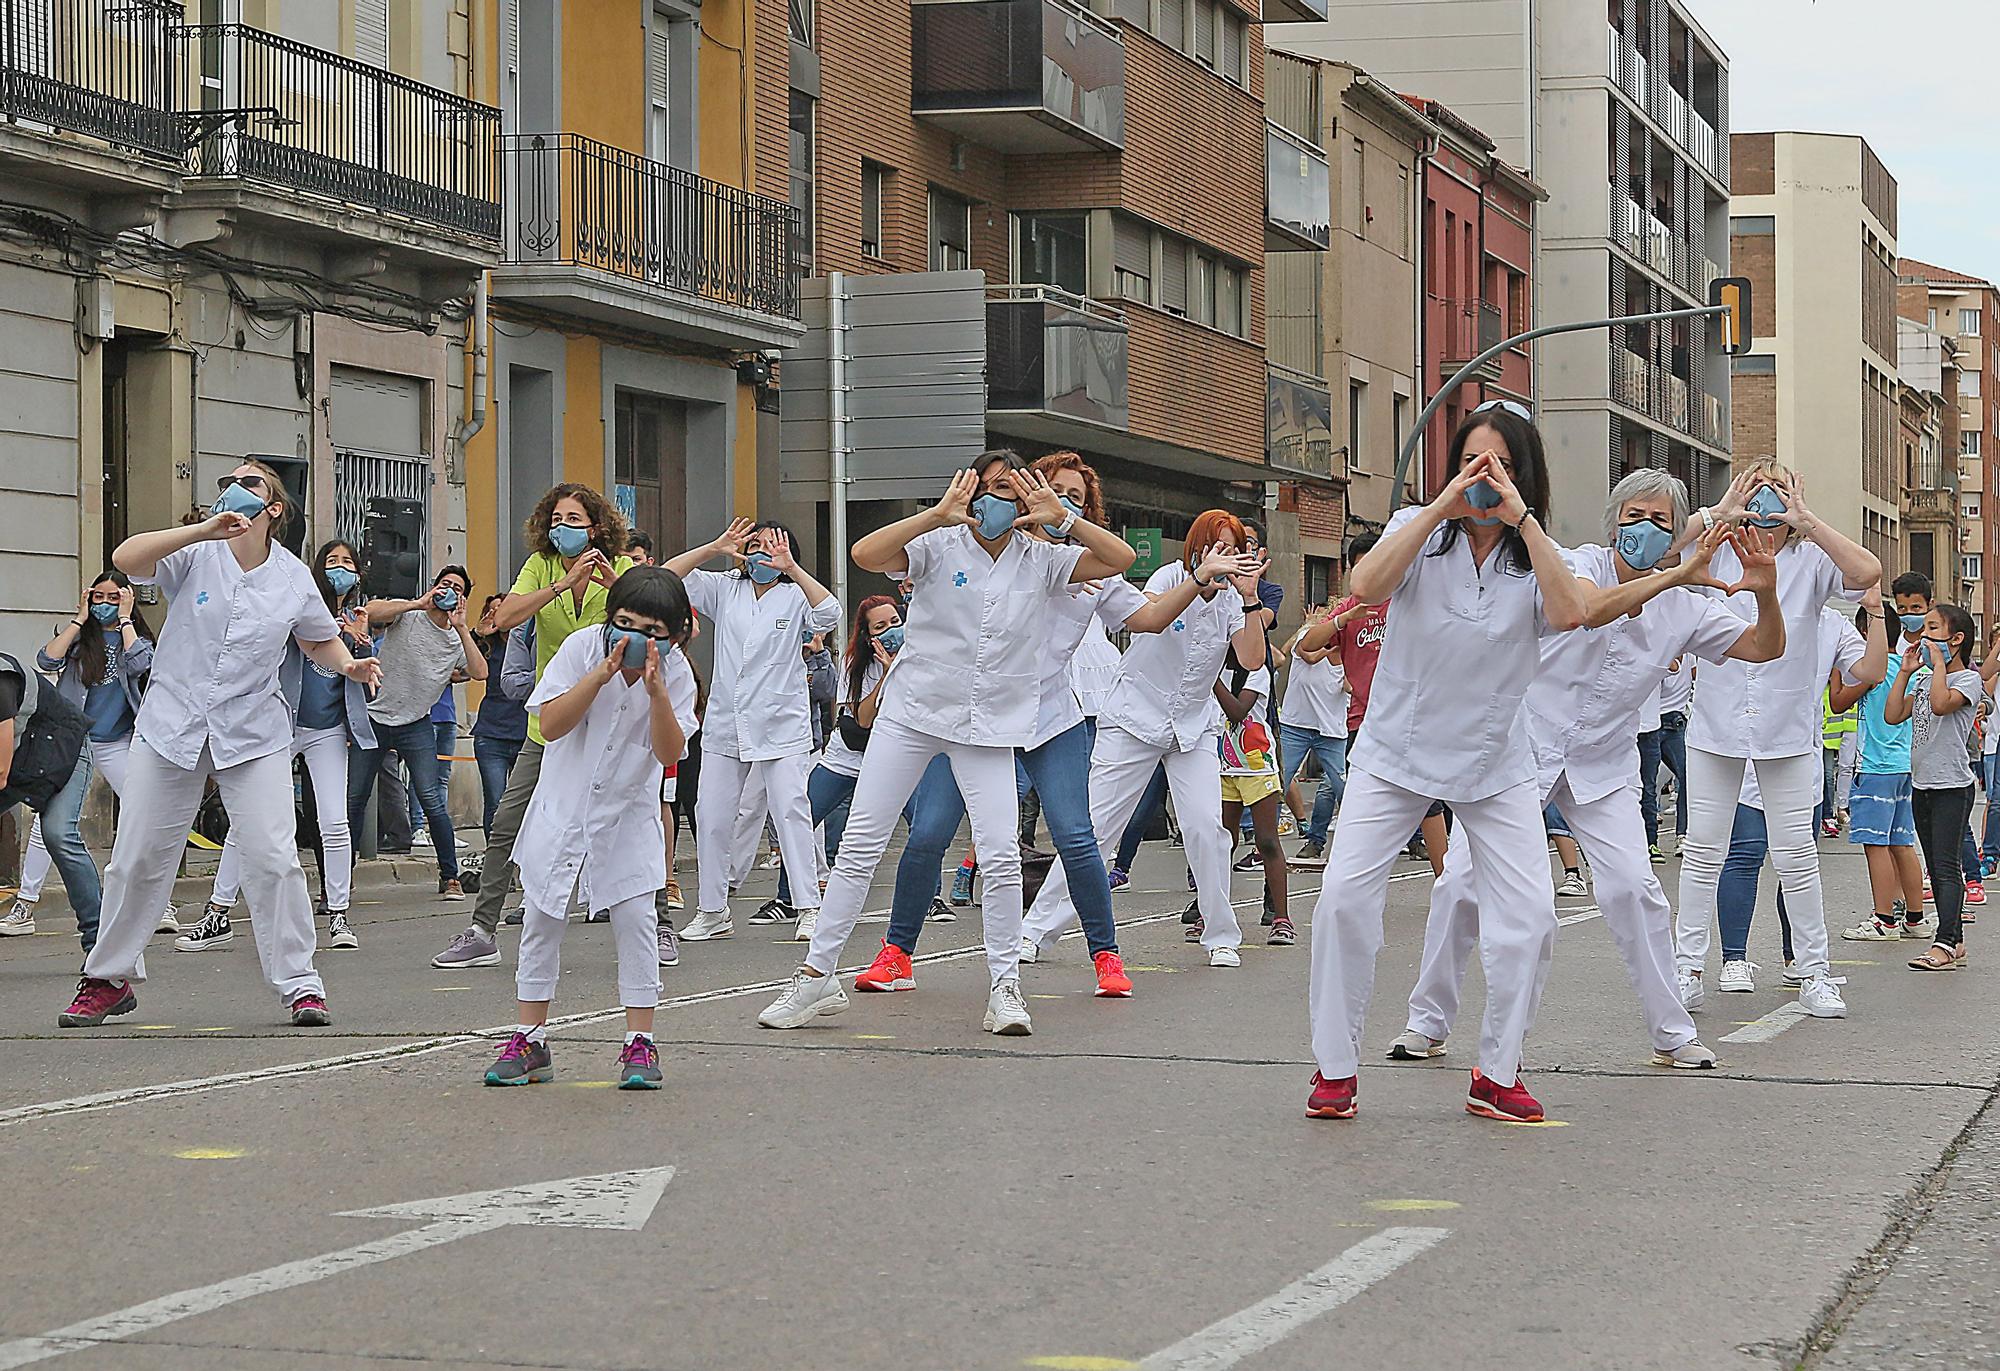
(991, 687)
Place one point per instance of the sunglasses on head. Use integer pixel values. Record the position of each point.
(250, 482)
(1519, 411)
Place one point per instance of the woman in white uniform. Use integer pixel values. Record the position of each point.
(214, 708)
(1583, 718)
(966, 685)
(759, 724)
(1471, 579)
(1768, 716)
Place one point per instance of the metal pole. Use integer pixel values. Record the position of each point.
(836, 380)
(1415, 435)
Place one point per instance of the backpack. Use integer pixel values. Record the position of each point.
(49, 733)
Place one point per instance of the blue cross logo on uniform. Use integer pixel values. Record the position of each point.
(1180, 625)
(202, 598)
(958, 578)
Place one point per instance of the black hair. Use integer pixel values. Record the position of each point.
(791, 541)
(1363, 544)
(1530, 477)
(1958, 621)
(319, 571)
(453, 569)
(640, 542)
(997, 456)
(652, 592)
(1912, 583)
(93, 651)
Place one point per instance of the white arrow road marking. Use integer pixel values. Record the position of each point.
(619, 1199)
(1770, 1026)
(1228, 1341)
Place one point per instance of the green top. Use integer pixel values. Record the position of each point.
(559, 618)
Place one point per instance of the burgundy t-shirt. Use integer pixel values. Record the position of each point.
(1360, 649)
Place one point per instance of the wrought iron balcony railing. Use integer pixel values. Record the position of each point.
(573, 201)
(101, 68)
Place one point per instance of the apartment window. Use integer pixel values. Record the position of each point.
(1174, 277)
(1201, 305)
(1232, 59)
(1517, 304)
(874, 181)
(800, 20)
(1229, 293)
(802, 180)
(1968, 323)
(1754, 225)
(1132, 260)
(1968, 384)
(1355, 391)
(1968, 443)
(1319, 581)
(1930, 318)
(951, 231)
(1968, 567)
(1968, 505)
(1354, 187)
(1202, 48)
(1053, 251)
(1923, 554)
(1757, 364)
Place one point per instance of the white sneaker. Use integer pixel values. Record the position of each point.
(1573, 885)
(20, 920)
(1794, 976)
(1691, 990)
(802, 932)
(1412, 1046)
(804, 1000)
(1031, 951)
(1821, 997)
(168, 922)
(1870, 930)
(1738, 978)
(1224, 956)
(708, 925)
(1692, 1057)
(1007, 1010)
(772, 861)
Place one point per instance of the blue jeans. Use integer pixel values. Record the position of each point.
(71, 859)
(447, 739)
(1667, 743)
(1294, 745)
(1968, 852)
(495, 757)
(1736, 891)
(828, 792)
(1059, 771)
(416, 744)
(1990, 767)
(1150, 804)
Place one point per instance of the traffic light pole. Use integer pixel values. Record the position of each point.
(1459, 378)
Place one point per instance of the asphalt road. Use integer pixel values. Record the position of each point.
(1134, 1185)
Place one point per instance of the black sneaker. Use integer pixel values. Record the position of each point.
(1192, 914)
(1252, 860)
(212, 931)
(1194, 930)
(1310, 853)
(774, 912)
(942, 913)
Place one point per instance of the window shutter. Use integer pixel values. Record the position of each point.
(659, 46)
(1231, 64)
(1174, 277)
(1173, 24)
(510, 57)
(1203, 46)
(371, 32)
(1132, 247)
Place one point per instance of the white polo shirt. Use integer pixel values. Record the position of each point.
(1071, 619)
(1165, 694)
(971, 666)
(1771, 709)
(1093, 667)
(758, 708)
(215, 671)
(598, 800)
(1461, 644)
(1677, 690)
(1315, 697)
(1593, 684)
(1837, 648)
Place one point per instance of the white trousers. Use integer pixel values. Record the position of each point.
(160, 803)
(715, 822)
(325, 751)
(634, 927)
(1507, 853)
(890, 769)
(1791, 787)
(1121, 766)
(756, 807)
(1613, 836)
(108, 758)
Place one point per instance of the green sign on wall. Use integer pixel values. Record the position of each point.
(1151, 543)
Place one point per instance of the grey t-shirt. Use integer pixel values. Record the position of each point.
(1938, 756)
(418, 659)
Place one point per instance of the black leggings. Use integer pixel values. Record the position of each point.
(1941, 816)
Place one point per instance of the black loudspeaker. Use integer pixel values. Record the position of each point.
(392, 533)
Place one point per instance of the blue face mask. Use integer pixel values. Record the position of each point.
(1055, 530)
(995, 515)
(104, 613)
(758, 566)
(1913, 625)
(1765, 507)
(447, 599)
(341, 579)
(1642, 544)
(1483, 495)
(891, 639)
(570, 542)
(634, 656)
(239, 500)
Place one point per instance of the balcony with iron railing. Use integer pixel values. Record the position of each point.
(1295, 11)
(1056, 363)
(1298, 202)
(605, 234)
(1021, 76)
(88, 95)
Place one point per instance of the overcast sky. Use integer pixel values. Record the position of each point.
(1913, 77)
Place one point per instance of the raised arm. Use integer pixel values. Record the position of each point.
(883, 549)
(1873, 668)
(1104, 552)
(728, 543)
(1859, 568)
(140, 555)
(1763, 641)
(667, 737)
(1376, 576)
(523, 605)
(1608, 604)
(1945, 698)
(1161, 610)
(332, 655)
(1563, 597)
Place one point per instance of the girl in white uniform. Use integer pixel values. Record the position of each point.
(214, 708)
(327, 713)
(612, 701)
(1769, 716)
(1583, 722)
(1163, 711)
(1471, 580)
(759, 718)
(967, 685)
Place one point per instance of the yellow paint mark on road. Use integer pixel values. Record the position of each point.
(874, 1037)
(1081, 1363)
(224, 1028)
(1854, 963)
(447, 989)
(1156, 970)
(1534, 1123)
(152, 1027)
(210, 1154)
(1409, 1206)
(587, 1085)
(1743, 1023)
(1045, 997)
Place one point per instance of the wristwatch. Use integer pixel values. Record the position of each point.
(1063, 528)
(1707, 519)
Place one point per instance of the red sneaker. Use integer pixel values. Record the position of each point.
(1507, 1103)
(97, 1001)
(1112, 982)
(309, 1011)
(1332, 1099)
(890, 970)
(1975, 892)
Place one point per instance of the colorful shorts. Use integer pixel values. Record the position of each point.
(1878, 810)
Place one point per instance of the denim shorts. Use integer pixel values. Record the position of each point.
(1878, 810)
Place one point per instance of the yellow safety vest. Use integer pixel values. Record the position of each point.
(1835, 726)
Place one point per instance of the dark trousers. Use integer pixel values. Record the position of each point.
(1941, 816)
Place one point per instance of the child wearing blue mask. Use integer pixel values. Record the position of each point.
(1935, 690)
(1881, 808)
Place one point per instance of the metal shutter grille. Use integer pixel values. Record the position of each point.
(1204, 31)
(1132, 246)
(1173, 23)
(1231, 64)
(1174, 276)
(371, 32)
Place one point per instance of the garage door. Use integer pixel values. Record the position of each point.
(376, 423)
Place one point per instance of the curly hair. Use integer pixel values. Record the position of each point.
(608, 534)
(1093, 490)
